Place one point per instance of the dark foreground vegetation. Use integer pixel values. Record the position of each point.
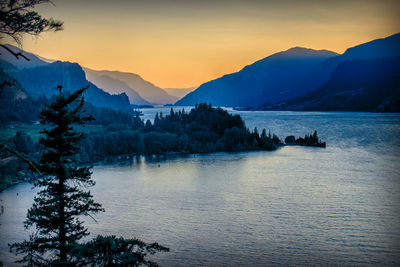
(203, 129)
(63, 199)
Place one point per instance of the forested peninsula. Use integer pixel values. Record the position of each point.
(204, 129)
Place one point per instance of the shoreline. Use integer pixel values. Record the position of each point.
(127, 157)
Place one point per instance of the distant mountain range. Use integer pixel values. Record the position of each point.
(114, 86)
(147, 92)
(355, 85)
(362, 78)
(278, 81)
(275, 77)
(138, 90)
(179, 92)
(41, 78)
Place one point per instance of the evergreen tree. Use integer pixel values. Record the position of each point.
(112, 251)
(263, 133)
(58, 208)
(17, 18)
(156, 120)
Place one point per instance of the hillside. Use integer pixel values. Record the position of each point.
(273, 78)
(39, 78)
(114, 86)
(41, 81)
(285, 75)
(355, 85)
(145, 89)
(16, 105)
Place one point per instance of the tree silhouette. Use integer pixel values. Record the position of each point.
(60, 204)
(17, 18)
(113, 251)
(58, 208)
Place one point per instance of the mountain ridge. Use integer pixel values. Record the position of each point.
(265, 84)
(355, 85)
(41, 79)
(114, 86)
(155, 94)
(147, 90)
(271, 75)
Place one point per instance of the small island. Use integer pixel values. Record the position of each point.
(308, 140)
(204, 129)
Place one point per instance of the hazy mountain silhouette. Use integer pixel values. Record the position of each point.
(39, 76)
(145, 89)
(271, 82)
(285, 75)
(356, 84)
(114, 86)
(379, 48)
(179, 92)
(41, 80)
(274, 77)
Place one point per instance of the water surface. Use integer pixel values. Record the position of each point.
(294, 206)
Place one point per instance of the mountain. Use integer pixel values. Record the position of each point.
(179, 92)
(41, 80)
(39, 77)
(21, 63)
(114, 86)
(379, 48)
(285, 75)
(376, 49)
(145, 89)
(357, 84)
(16, 105)
(271, 79)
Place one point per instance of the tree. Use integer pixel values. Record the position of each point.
(58, 208)
(113, 251)
(17, 18)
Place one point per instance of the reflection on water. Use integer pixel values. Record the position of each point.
(294, 206)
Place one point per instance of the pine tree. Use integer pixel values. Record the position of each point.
(60, 204)
(113, 251)
(18, 18)
(263, 133)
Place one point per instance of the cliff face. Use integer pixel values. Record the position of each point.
(39, 77)
(42, 80)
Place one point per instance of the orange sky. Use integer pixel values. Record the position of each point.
(185, 43)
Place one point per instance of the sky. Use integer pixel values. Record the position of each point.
(181, 44)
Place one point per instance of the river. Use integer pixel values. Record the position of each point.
(296, 206)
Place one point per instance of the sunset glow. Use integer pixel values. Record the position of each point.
(186, 43)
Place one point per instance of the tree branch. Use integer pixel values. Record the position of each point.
(8, 83)
(29, 162)
(17, 55)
